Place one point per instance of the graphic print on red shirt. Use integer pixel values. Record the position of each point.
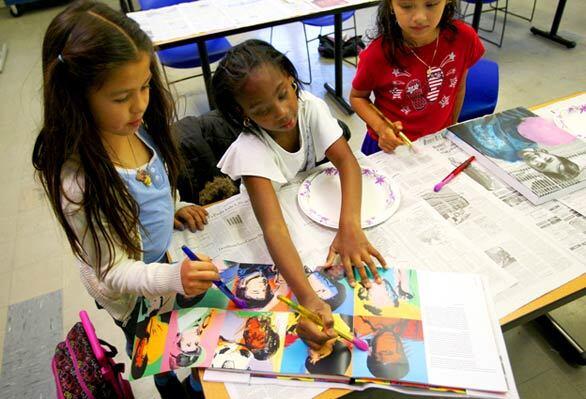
(421, 96)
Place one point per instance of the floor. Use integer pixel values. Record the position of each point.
(39, 273)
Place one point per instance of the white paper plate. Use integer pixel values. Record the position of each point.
(320, 197)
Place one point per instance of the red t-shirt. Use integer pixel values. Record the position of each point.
(424, 104)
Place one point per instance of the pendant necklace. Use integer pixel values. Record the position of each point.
(142, 174)
(429, 66)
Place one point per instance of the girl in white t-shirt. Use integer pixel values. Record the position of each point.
(286, 130)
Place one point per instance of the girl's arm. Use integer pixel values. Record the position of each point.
(387, 137)
(460, 98)
(350, 241)
(186, 213)
(129, 276)
(270, 218)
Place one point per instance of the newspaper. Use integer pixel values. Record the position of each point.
(523, 239)
(475, 224)
(187, 20)
(564, 225)
(232, 233)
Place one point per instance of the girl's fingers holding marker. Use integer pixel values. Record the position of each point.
(205, 258)
(205, 275)
(311, 334)
(398, 126)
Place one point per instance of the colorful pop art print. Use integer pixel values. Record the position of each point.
(192, 338)
(334, 358)
(212, 298)
(331, 285)
(257, 284)
(396, 296)
(251, 340)
(396, 349)
(149, 346)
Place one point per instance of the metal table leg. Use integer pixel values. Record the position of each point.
(336, 92)
(553, 32)
(207, 72)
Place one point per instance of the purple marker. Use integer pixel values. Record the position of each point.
(453, 174)
(240, 303)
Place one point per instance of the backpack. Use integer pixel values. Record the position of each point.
(84, 369)
(350, 47)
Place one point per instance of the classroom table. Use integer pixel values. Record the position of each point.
(200, 38)
(535, 310)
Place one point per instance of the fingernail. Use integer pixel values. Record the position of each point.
(352, 283)
(379, 280)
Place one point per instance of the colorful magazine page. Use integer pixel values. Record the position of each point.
(528, 152)
(331, 285)
(396, 296)
(257, 284)
(334, 358)
(193, 337)
(421, 328)
(182, 338)
(149, 346)
(251, 341)
(397, 351)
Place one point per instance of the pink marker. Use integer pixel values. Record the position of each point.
(453, 174)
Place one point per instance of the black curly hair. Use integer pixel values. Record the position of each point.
(234, 69)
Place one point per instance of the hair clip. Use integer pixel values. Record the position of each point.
(60, 58)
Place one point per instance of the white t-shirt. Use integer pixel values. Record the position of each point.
(257, 154)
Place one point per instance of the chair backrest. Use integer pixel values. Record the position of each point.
(150, 4)
(482, 87)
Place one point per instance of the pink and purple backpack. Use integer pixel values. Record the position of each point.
(84, 369)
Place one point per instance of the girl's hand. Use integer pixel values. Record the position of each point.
(313, 335)
(355, 249)
(193, 215)
(197, 276)
(388, 137)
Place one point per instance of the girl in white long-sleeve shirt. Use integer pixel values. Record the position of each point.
(107, 161)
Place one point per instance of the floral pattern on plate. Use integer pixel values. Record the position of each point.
(319, 197)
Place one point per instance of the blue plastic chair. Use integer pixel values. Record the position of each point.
(482, 90)
(186, 55)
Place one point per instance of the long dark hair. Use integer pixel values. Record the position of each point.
(234, 69)
(388, 28)
(82, 46)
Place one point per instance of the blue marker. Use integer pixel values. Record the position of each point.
(237, 301)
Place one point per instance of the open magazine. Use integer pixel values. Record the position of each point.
(425, 330)
(528, 152)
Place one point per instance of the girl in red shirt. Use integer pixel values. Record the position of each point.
(416, 66)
